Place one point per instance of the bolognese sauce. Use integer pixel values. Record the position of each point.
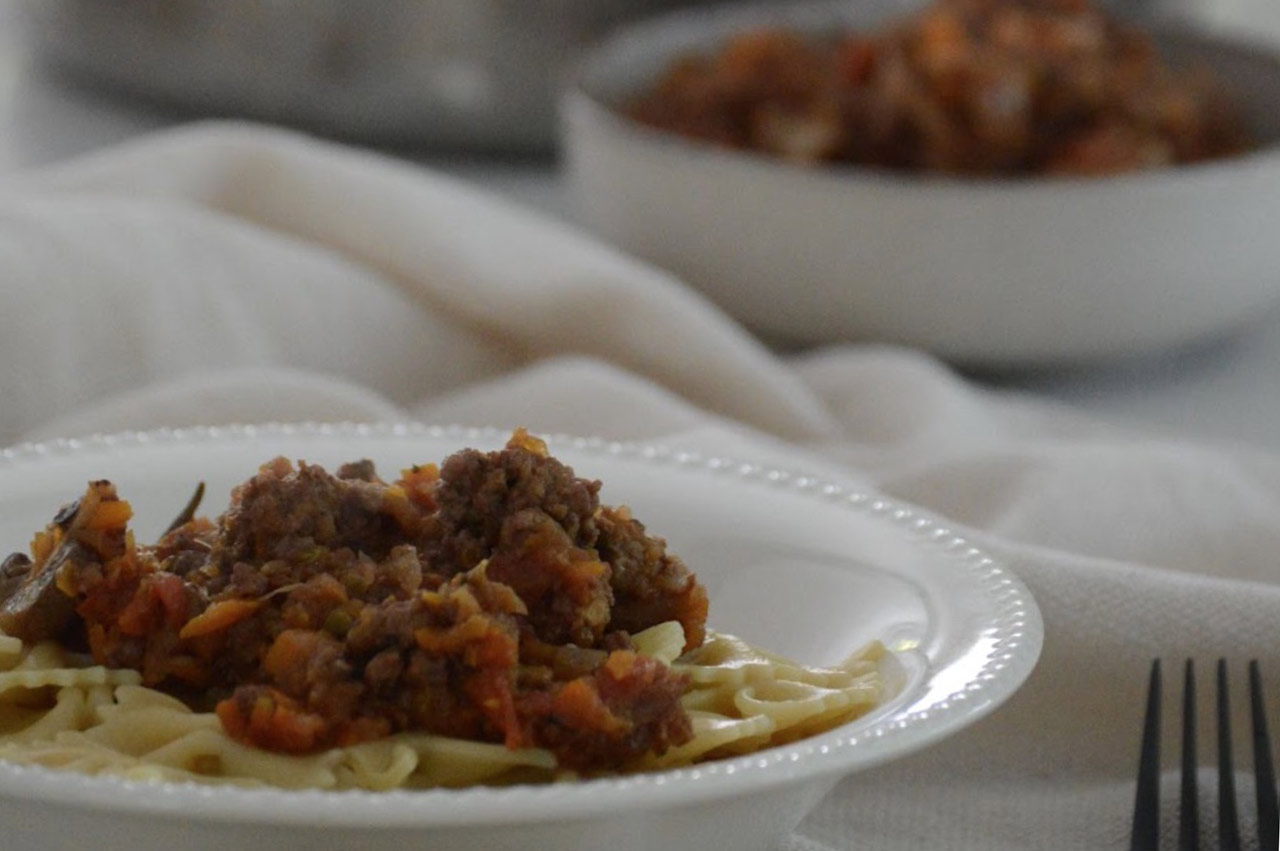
(965, 87)
(491, 598)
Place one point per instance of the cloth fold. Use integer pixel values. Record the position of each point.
(233, 273)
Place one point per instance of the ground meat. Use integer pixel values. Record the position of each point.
(628, 694)
(479, 491)
(281, 512)
(565, 587)
(649, 584)
(970, 87)
(490, 599)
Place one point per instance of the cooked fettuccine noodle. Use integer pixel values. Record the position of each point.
(59, 710)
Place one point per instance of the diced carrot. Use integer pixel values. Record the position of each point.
(273, 721)
(491, 692)
(186, 669)
(521, 439)
(219, 616)
(496, 650)
(586, 570)
(44, 543)
(289, 651)
(140, 613)
(579, 706)
(481, 640)
(419, 483)
(363, 730)
(620, 663)
(110, 514)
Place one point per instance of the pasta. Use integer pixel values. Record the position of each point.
(60, 712)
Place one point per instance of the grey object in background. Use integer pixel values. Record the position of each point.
(471, 74)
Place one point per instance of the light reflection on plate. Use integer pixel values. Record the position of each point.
(803, 567)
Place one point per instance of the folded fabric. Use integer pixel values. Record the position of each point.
(232, 273)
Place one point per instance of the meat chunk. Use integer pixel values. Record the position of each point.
(565, 588)
(478, 491)
(282, 509)
(650, 585)
(628, 705)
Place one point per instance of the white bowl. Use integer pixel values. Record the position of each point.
(805, 567)
(989, 271)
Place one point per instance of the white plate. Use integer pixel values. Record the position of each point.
(794, 564)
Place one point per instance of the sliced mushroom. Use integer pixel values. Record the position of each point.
(33, 607)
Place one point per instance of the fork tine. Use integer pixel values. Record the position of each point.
(1146, 801)
(1146, 805)
(1228, 821)
(1263, 768)
(1189, 818)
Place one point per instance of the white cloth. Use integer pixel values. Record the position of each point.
(230, 273)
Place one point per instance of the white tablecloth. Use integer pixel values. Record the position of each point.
(229, 273)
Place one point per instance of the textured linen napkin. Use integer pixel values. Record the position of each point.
(230, 273)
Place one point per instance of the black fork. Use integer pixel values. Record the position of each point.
(1146, 807)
